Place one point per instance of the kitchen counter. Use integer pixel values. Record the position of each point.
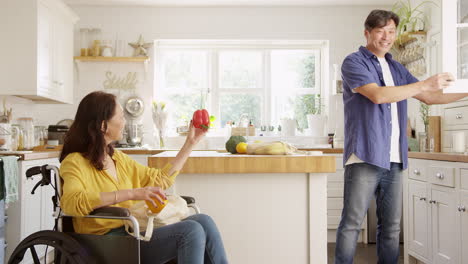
(268, 208)
(35, 155)
(456, 157)
(216, 162)
(31, 155)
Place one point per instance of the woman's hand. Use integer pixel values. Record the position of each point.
(148, 194)
(195, 134)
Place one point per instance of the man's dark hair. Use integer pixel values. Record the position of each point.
(379, 18)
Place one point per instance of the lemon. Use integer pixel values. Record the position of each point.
(241, 148)
(258, 141)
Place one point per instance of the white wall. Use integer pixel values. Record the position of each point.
(342, 26)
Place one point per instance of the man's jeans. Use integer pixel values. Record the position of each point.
(363, 182)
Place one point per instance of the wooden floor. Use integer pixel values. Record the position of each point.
(365, 254)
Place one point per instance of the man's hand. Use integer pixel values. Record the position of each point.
(438, 82)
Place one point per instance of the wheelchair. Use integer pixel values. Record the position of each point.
(71, 247)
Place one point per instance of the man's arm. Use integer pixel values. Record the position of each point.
(390, 94)
(438, 97)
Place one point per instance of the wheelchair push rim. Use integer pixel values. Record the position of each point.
(66, 248)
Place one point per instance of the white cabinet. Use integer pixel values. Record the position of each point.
(463, 216)
(455, 40)
(444, 230)
(434, 220)
(40, 60)
(418, 212)
(31, 213)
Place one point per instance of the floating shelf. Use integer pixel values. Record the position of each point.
(408, 37)
(81, 61)
(111, 59)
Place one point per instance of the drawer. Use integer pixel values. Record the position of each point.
(441, 176)
(464, 179)
(333, 221)
(456, 116)
(335, 189)
(338, 176)
(334, 203)
(417, 170)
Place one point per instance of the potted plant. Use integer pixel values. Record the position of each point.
(411, 19)
(310, 106)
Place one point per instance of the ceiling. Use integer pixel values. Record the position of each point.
(203, 3)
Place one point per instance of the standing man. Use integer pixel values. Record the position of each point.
(376, 150)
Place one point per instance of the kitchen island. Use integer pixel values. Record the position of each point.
(269, 209)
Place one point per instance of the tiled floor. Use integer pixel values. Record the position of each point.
(365, 254)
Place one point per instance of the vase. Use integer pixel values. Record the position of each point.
(316, 125)
(161, 136)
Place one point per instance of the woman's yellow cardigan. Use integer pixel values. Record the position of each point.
(83, 183)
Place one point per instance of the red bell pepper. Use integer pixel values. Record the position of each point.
(201, 119)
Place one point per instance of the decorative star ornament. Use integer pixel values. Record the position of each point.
(141, 48)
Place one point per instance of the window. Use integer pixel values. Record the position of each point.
(265, 81)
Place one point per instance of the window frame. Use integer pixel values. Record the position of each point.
(265, 46)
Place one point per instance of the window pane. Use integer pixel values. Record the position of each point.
(462, 53)
(184, 70)
(240, 69)
(234, 105)
(181, 107)
(462, 11)
(293, 69)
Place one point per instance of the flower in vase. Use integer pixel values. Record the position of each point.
(160, 120)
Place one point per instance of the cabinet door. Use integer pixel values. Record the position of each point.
(62, 57)
(44, 50)
(455, 42)
(464, 227)
(418, 218)
(444, 228)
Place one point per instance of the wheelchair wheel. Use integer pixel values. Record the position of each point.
(66, 248)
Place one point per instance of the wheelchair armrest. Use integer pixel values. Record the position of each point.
(188, 199)
(111, 211)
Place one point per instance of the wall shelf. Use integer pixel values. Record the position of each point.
(408, 37)
(79, 60)
(111, 59)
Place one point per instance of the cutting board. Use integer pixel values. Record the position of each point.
(434, 131)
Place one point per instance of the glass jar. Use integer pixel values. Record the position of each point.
(423, 147)
(84, 42)
(27, 125)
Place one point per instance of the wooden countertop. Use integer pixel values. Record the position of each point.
(456, 157)
(216, 162)
(32, 155)
(35, 155)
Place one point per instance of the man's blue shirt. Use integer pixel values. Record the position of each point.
(368, 126)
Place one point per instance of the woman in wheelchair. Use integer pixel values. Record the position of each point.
(96, 175)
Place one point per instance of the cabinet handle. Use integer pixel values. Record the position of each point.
(422, 199)
(459, 116)
(461, 208)
(416, 172)
(440, 175)
(432, 201)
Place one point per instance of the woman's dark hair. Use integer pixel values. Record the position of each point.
(85, 134)
(379, 18)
